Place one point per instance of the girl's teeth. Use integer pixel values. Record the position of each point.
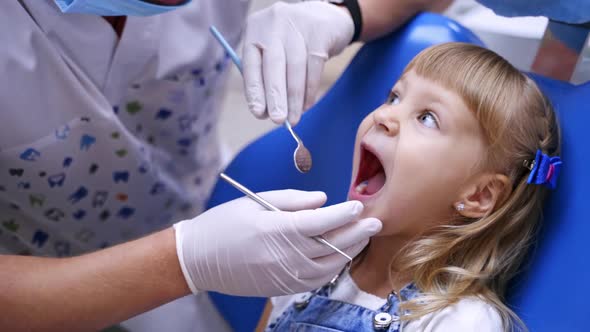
(361, 187)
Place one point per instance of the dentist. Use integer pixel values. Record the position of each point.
(108, 113)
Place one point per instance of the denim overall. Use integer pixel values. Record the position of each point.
(316, 312)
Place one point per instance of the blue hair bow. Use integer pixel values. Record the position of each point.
(544, 170)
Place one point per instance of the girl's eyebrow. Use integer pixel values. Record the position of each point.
(400, 84)
(401, 81)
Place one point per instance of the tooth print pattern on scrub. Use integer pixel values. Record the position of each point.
(116, 154)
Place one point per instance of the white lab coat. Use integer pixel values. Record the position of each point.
(103, 140)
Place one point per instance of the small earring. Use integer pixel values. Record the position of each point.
(460, 207)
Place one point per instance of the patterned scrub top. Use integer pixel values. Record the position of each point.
(102, 139)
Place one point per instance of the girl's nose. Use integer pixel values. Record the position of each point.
(386, 119)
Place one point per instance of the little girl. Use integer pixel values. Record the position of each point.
(456, 164)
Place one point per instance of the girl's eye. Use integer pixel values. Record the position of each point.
(428, 119)
(392, 99)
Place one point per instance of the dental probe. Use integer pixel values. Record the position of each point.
(271, 207)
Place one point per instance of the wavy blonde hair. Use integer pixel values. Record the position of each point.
(478, 257)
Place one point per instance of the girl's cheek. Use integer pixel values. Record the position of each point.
(364, 126)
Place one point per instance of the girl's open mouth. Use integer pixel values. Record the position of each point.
(371, 175)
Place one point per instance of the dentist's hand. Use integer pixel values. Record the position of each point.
(242, 249)
(285, 48)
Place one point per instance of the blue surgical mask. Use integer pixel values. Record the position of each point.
(114, 7)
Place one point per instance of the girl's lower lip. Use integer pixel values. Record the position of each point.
(354, 195)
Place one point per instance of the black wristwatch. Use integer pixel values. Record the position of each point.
(355, 12)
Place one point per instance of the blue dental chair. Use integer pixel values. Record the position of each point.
(550, 295)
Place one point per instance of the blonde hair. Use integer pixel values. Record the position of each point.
(478, 257)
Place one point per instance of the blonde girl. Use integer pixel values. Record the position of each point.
(456, 164)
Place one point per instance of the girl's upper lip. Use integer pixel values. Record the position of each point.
(365, 145)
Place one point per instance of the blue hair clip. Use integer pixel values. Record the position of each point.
(544, 170)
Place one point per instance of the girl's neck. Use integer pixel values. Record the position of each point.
(373, 270)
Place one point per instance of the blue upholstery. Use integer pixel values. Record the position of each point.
(552, 294)
(328, 130)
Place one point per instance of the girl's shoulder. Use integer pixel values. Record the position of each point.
(468, 314)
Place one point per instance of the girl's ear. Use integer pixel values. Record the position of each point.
(483, 194)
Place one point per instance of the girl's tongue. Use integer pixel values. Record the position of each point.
(372, 185)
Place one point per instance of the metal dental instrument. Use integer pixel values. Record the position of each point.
(301, 155)
(271, 207)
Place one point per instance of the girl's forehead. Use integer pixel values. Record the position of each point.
(413, 82)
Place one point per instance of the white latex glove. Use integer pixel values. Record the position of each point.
(285, 48)
(240, 248)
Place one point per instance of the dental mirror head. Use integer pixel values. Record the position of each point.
(302, 158)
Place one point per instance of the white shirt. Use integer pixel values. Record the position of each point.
(106, 139)
(468, 315)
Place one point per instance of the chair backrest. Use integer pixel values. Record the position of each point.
(552, 292)
(328, 130)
